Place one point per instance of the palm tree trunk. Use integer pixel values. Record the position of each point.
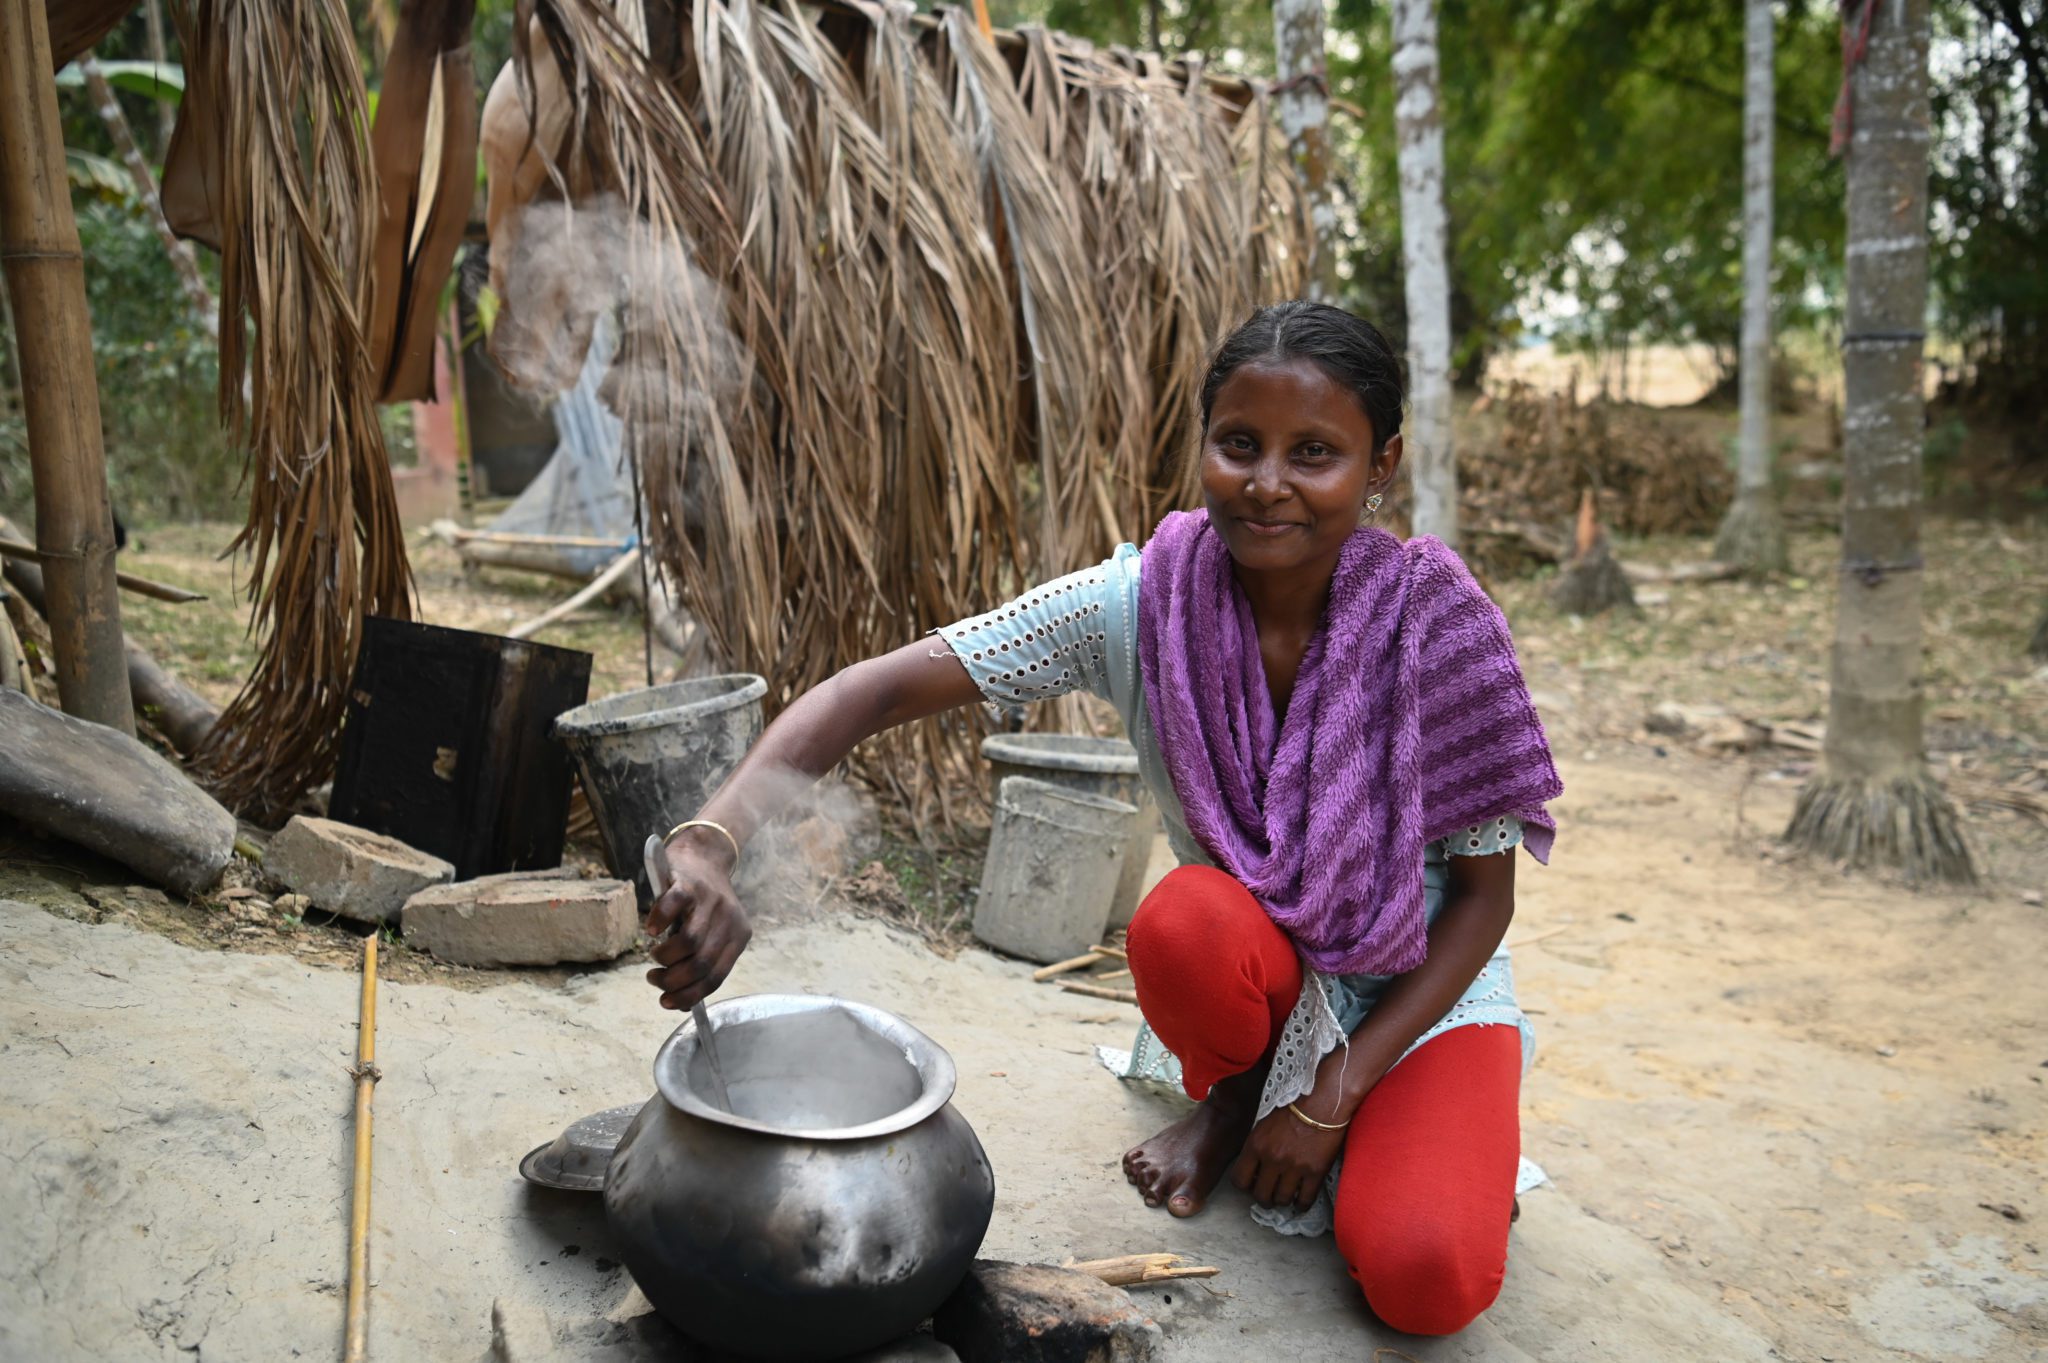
(1873, 802)
(1302, 103)
(1752, 537)
(1419, 130)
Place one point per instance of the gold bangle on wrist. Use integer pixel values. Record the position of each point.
(720, 828)
(1320, 1126)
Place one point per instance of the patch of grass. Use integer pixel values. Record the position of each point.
(937, 883)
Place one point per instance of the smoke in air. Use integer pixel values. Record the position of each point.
(560, 267)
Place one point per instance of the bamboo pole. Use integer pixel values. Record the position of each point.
(45, 271)
(355, 1339)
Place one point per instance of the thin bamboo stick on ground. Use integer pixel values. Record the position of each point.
(355, 1340)
(1093, 992)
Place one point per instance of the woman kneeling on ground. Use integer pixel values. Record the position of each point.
(1336, 730)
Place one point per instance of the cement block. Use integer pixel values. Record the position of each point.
(350, 871)
(1033, 1313)
(514, 920)
(105, 791)
(1055, 857)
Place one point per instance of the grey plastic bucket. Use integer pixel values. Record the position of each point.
(1099, 766)
(650, 759)
(1054, 856)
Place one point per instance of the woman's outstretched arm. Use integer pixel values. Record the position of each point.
(807, 740)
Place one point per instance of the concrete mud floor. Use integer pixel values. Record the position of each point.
(1788, 1116)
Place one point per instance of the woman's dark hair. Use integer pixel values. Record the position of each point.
(1350, 350)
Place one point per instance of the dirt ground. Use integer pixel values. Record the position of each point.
(1788, 1113)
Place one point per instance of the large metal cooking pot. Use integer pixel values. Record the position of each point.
(836, 1205)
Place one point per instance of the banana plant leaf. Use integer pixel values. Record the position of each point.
(157, 80)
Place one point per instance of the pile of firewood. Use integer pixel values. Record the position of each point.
(1519, 498)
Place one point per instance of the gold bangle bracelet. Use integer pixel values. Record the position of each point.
(1320, 1126)
(688, 824)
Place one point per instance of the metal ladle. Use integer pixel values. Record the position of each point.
(653, 853)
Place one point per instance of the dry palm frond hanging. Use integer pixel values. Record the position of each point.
(424, 145)
(278, 159)
(937, 322)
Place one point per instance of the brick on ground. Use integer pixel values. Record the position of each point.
(523, 920)
(351, 871)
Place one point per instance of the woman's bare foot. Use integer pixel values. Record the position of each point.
(1181, 1166)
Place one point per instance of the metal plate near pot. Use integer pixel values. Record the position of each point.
(576, 1159)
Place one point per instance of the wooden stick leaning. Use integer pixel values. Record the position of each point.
(355, 1337)
(141, 586)
(597, 587)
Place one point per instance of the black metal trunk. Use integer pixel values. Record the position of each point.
(446, 744)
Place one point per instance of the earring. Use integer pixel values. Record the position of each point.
(1372, 503)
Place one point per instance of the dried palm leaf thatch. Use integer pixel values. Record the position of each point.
(1275, 252)
(424, 144)
(296, 202)
(1168, 232)
(1057, 311)
(699, 367)
(944, 522)
(966, 308)
(784, 142)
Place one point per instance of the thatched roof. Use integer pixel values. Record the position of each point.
(912, 316)
(952, 299)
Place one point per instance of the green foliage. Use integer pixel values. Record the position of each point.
(1594, 165)
(1990, 188)
(166, 457)
(1593, 155)
(153, 80)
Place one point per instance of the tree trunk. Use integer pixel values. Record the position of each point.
(1419, 131)
(45, 271)
(183, 262)
(166, 111)
(1752, 536)
(1873, 802)
(1303, 107)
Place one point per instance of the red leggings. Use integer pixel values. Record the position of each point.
(1428, 1184)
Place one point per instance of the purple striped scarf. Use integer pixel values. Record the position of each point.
(1409, 721)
